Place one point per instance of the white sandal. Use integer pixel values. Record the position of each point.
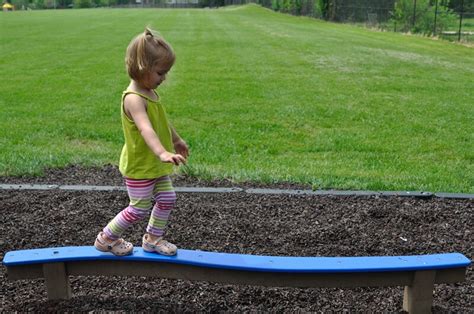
(119, 247)
(160, 246)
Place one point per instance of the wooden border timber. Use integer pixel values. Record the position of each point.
(419, 277)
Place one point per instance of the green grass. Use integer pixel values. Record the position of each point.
(258, 96)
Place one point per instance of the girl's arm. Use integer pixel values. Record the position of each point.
(179, 144)
(135, 108)
(174, 134)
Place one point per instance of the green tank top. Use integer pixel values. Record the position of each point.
(137, 161)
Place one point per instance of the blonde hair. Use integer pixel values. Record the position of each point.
(145, 51)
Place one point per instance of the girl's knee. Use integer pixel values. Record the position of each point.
(167, 197)
(133, 214)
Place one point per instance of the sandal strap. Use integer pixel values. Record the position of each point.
(166, 243)
(161, 242)
(110, 245)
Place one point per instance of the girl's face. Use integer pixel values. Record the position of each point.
(154, 78)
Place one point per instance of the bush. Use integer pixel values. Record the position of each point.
(285, 6)
(276, 5)
(82, 4)
(423, 20)
(322, 8)
(295, 7)
(107, 3)
(307, 7)
(38, 4)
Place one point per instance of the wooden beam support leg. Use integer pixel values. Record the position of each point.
(57, 281)
(418, 297)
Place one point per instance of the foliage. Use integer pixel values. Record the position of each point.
(106, 3)
(276, 5)
(19, 4)
(323, 7)
(468, 5)
(421, 19)
(308, 8)
(212, 3)
(41, 4)
(295, 7)
(80, 4)
(330, 9)
(286, 6)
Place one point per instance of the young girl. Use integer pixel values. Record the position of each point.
(147, 157)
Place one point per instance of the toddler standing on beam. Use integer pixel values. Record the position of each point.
(148, 156)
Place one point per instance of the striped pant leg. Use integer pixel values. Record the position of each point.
(140, 193)
(165, 198)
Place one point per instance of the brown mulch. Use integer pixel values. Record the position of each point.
(296, 225)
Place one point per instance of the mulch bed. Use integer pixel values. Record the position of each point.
(298, 225)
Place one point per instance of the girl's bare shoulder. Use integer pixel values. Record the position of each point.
(133, 100)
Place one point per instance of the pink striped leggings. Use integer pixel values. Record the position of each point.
(141, 194)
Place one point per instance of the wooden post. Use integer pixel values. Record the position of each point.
(57, 281)
(418, 297)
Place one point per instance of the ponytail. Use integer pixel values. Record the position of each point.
(141, 53)
(146, 50)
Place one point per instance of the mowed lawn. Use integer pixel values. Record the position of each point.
(258, 95)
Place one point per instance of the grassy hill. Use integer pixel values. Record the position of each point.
(258, 96)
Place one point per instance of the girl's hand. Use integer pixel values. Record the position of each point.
(181, 148)
(175, 159)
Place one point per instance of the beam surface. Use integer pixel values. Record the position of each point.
(246, 262)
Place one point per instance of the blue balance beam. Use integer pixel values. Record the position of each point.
(246, 262)
(418, 273)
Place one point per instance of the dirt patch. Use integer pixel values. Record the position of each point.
(298, 225)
